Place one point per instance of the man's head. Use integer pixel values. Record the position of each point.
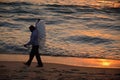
(32, 28)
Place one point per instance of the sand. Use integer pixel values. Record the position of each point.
(14, 69)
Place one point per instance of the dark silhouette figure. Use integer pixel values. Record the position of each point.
(35, 47)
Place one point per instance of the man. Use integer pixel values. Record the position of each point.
(35, 47)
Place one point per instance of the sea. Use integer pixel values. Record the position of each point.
(75, 28)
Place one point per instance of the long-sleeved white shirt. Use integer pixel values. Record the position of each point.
(38, 34)
(33, 38)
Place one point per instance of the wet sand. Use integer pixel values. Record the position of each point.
(12, 68)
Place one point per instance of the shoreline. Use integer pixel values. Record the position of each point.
(72, 61)
(62, 56)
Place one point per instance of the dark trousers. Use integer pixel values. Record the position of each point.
(34, 52)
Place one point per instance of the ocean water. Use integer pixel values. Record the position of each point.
(75, 28)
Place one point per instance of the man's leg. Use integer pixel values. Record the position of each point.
(31, 56)
(38, 58)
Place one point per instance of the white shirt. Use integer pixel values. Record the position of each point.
(33, 38)
(38, 35)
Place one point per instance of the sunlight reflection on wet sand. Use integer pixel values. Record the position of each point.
(92, 62)
(85, 62)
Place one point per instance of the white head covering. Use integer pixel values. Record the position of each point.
(41, 28)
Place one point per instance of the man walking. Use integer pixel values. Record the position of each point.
(34, 41)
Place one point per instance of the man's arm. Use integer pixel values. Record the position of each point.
(30, 41)
(37, 22)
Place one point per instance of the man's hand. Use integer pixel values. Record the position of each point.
(26, 45)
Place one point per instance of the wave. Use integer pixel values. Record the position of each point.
(68, 9)
(25, 19)
(14, 3)
(88, 39)
(104, 26)
(18, 7)
(17, 10)
(111, 10)
(9, 24)
(95, 3)
(79, 8)
(10, 48)
(25, 7)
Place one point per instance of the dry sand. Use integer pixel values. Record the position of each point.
(16, 70)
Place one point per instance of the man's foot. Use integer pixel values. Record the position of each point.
(39, 66)
(26, 64)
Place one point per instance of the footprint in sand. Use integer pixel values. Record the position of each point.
(4, 73)
(2, 66)
(71, 78)
(64, 71)
(75, 70)
(39, 78)
(37, 71)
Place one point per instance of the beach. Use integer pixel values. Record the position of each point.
(12, 68)
(82, 39)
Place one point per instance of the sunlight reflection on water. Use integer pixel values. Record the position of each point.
(97, 3)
